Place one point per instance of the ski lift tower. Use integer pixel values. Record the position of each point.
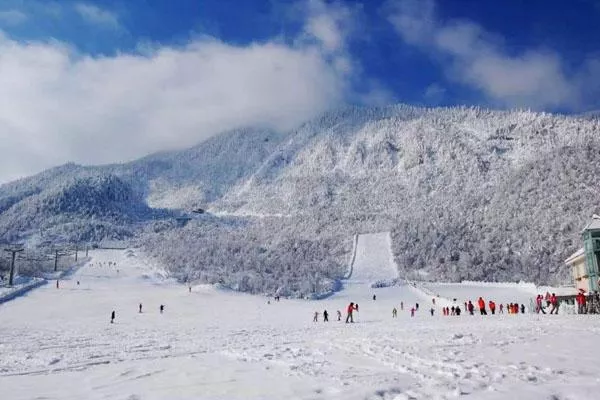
(591, 247)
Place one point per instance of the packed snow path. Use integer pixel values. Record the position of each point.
(59, 343)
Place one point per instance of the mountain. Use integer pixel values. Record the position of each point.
(467, 193)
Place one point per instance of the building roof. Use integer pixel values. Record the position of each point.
(575, 255)
(593, 224)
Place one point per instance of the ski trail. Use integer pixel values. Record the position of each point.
(373, 261)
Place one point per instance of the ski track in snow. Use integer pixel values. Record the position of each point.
(59, 344)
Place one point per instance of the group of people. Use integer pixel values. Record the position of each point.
(550, 300)
(352, 307)
(589, 304)
(113, 314)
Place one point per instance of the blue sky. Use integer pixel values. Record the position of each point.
(169, 73)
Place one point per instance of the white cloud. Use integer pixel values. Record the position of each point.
(58, 105)
(97, 16)
(534, 78)
(434, 93)
(12, 17)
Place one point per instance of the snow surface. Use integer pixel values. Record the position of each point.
(59, 344)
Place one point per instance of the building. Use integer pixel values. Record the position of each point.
(585, 261)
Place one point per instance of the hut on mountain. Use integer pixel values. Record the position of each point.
(585, 261)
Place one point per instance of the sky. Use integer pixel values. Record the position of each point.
(106, 81)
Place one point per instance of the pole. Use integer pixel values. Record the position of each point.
(12, 264)
(56, 262)
(76, 248)
(86, 250)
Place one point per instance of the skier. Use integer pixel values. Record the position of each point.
(458, 311)
(470, 307)
(433, 301)
(162, 308)
(481, 304)
(57, 283)
(190, 289)
(140, 308)
(417, 307)
(349, 311)
(112, 317)
(325, 316)
(374, 297)
(77, 283)
(522, 308)
(394, 313)
(501, 308)
(316, 317)
(339, 315)
(412, 312)
(402, 305)
(432, 310)
(492, 307)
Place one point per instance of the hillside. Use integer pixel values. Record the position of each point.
(467, 193)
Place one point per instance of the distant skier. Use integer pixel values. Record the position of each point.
(190, 288)
(140, 308)
(57, 284)
(522, 308)
(501, 309)
(470, 307)
(433, 301)
(349, 311)
(394, 313)
(412, 312)
(339, 315)
(458, 311)
(325, 316)
(417, 307)
(316, 317)
(77, 283)
(112, 317)
(402, 306)
(432, 310)
(162, 308)
(481, 304)
(374, 297)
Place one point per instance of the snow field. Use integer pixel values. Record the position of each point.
(213, 344)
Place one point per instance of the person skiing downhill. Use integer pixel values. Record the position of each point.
(349, 311)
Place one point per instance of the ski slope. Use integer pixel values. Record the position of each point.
(214, 344)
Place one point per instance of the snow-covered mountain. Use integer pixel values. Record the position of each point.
(467, 192)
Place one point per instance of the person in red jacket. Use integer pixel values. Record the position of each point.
(554, 303)
(481, 304)
(492, 307)
(349, 311)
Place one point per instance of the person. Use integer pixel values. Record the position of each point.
(433, 301)
(140, 307)
(325, 316)
(57, 283)
(394, 313)
(339, 315)
(470, 307)
(492, 307)
(432, 310)
(190, 288)
(374, 297)
(458, 311)
(412, 312)
(538, 304)
(356, 307)
(162, 308)
(501, 309)
(453, 311)
(522, 308)
(481, 304)
(554, 302)
(112, 317)
(402, 305)
(77, 283)
(316, 317)
(349, 311)
(417, 307)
